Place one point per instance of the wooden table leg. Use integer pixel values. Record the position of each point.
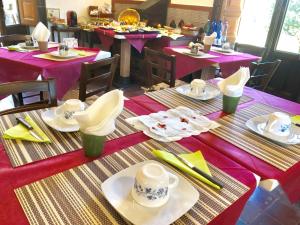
(125, 59)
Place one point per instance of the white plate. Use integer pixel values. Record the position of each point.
(117, 190)
(49, 118)
(57, 55)
(257, 125)
(209, 93)
(24, 46)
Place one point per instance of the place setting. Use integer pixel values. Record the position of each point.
(156, 187)
(66, 128)
(205, 96)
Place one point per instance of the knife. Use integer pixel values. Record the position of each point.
(197, 170)
(29, 127)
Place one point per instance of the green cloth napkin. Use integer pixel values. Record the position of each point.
(296, 119)
(20, 132)
(13, 47)
(196, 159)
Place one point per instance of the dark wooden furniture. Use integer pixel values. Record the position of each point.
(12, 39)
(48, 87)
(261, 74)
(161, 68)
(97, 77)
(75, 30)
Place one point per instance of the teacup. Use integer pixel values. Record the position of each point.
(65, 112)
(152, 185)
(198, 87)
(63, 50)
(279, 124)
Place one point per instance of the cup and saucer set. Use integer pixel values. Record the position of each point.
(277, 127)
(199, 90)
(149, 193)
(61, 118)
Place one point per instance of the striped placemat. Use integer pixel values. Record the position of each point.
(75, 196)
(172, 99)
(234, 130)
(24, 152)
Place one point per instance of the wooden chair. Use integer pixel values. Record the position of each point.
(97, 77)
(261, 74)
(46, 86)
(12, 39)
(160, 68)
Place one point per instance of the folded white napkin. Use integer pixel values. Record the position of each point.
(41, 32)
(99, 118)
(102, 55)
(172, 125)
(209, 40)
(233, 85)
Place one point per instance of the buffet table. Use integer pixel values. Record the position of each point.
(18, 66)
(289, 178)
(229, 64)
(14, 179)
(137, 41)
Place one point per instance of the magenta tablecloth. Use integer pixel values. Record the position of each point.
(228, 63)
(138, 41)
(11, 178)
(16, 66)
(289, 180)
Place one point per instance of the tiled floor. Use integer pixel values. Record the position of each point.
(270, 208)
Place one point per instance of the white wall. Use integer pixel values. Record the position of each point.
(79, 6)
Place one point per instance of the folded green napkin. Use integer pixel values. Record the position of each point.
(13, 47)
(22, 133)
(80, 52)
(196, 159)
(296, 119)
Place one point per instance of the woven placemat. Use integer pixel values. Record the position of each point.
(81, 54)
(234, 130)
(75, 196)
(172, 99)
(24, 152)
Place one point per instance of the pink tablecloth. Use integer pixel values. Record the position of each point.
(16, 66)
(228, 63)
(11, 178)
(289, 180)
(138, 41)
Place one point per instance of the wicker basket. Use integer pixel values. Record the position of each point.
(129, 17)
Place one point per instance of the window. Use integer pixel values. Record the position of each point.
(255, 22)
(11, 12)
(289, 40)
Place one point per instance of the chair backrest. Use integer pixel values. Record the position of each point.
(46, 86)
(98, 76)
(12, 39)
(261, 74)
(160, 68)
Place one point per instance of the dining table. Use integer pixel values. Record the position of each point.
(228, 62)
(44, 184)
(26, 65)
(263, 156)
(128, 40)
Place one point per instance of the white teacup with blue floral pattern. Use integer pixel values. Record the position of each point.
(152, 185)
(279, 124)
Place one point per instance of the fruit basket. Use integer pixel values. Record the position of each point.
(129, 17)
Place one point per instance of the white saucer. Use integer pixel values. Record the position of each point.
(209, 93)
(56, 54)
(49, 118)
(24, 46)
(257, 125)
(117, 190)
